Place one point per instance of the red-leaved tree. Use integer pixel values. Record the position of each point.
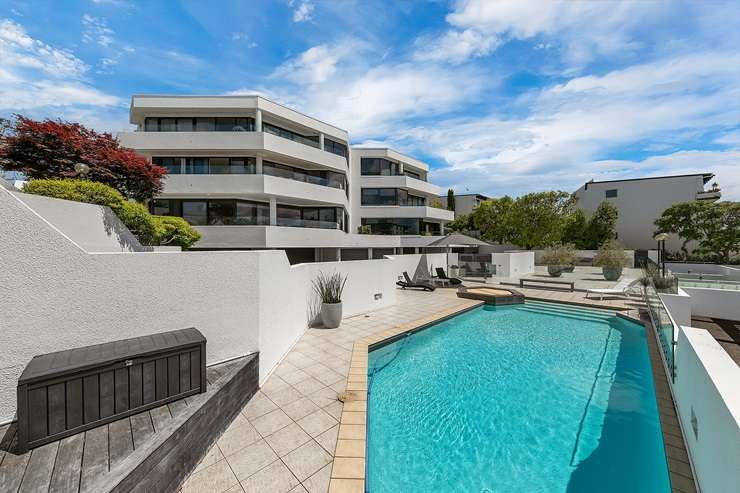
(51, 148)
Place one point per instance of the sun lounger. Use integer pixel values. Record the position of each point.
(622, 288)
(408, 283)
(454, 281)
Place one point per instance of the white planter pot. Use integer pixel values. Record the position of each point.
(331, 315)
(454, 272)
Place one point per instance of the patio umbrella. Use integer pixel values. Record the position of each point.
(456, 240)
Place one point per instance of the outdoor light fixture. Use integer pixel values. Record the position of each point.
(660, 238)
(82, 169)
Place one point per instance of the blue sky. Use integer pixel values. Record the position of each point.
(500, 97)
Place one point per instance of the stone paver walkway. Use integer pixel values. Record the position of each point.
(284, 440)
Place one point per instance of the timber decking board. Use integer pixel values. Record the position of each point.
(40, 467)
(66, 475)
(89, 460)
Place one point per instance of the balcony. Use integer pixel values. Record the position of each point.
(175, 143)
(710, 195)
(421, 212)
(251, 186)
(400, 181)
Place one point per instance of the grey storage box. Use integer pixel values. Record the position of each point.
(63, 393)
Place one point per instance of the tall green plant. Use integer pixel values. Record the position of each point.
(329, 287)
(450, 200)
(602, 225)
(611, 255)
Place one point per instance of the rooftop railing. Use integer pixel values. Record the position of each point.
(663, 323)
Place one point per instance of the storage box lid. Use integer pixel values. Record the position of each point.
(84, 358)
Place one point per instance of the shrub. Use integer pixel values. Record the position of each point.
(52, 148)
(150, 230)
(611, 255)
(172, 230)
(364, 229)
(560, 255)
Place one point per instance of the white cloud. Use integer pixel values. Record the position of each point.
(19, 50)
(96, 31)
(303, 11)
(338, 84)
(557, 144)
(455, 46)
(41, 80)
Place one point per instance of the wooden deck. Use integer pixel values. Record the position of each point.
(80, 463)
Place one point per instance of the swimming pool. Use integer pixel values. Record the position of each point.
(525, 398)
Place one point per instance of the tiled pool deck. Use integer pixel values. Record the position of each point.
(294, 435)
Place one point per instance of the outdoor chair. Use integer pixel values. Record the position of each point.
(454, 281)
(408, 283)
(622, 288)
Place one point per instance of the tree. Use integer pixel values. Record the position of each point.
(450, 200)
(493, 219)
(538, 219)
(682, 219)
(715, 226)
(462, 223)
(575, 228)
(52, 148)
(602, 225)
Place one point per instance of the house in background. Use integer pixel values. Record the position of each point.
(249, 173)
(465, 203)
(640, 201)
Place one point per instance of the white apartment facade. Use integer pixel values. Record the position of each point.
(640, 201)
(465, 203)
(249, 173)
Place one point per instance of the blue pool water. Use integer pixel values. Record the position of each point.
(523, 398)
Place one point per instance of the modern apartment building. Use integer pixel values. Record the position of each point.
(640, 201)
(465, 203)
(249, 173)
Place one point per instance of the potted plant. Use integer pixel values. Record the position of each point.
(329, 289)
(454, 271)
(612, 259)
(559, 259)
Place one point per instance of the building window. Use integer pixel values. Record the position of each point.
(378, 167)
(610, 194)
(172, 164)
(199, 124)
(218, 165)
(412, 174)
(315, 177)
(335, 147)
(389, 196)
(195, 212)
(310, 140)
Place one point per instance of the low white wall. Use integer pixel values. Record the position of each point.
(731, 272)
(513, 264)
(717, 303)
(94, 228)
(708, 401)
(418, 265)
(679, 306)
(56, 295)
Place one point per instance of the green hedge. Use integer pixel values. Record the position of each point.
(149, 229)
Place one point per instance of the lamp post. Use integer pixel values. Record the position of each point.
(660, 238)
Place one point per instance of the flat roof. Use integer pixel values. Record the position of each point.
(706, 177)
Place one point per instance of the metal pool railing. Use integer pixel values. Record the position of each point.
(662, 321)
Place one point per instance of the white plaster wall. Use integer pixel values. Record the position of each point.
(678, 305)
(513, 264)
(94, 228)
(718, 303)
(418, 265)
(706, 394)
(57, 296)
(640, 203)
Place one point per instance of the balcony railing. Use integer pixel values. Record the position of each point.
(664, 325)
(306, 223)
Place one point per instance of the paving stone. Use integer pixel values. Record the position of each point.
(275, 478)
(287, 439)
(235, 439)
(251, 459)
(306, 460)
(317, 422)
(271, 422)
(300, 408)
(319, 481)
(216, 478)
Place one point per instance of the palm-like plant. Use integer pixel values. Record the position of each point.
(329, 287)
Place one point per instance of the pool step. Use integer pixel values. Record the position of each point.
(565, 314)
(571, 308)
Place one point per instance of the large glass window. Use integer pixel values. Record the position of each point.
(196, 166)
(311, 140)
(335, 147)
(412, 174)
(218, 166)
(393, 226)
(389, 196)
(195, 212)
(378, 166)
(172, 164)
(252, 213)
(316, 177)
(221, 212)
(199, 124)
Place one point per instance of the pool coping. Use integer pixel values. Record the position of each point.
(349, 467)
